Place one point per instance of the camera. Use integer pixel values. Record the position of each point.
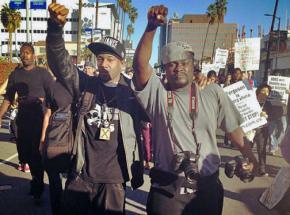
(235, 167)
(187, 162)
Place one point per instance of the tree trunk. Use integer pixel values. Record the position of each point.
(123, 24)
(79, 32)
(202, 54)
(114, 30)
(216, 33)
(10, 47)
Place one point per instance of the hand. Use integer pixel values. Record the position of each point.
(201, 81)
(41, 147)
(251, 167)
(58, 13)
(157, 16)
(264, 114)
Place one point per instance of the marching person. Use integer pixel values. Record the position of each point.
(185, 179)
(109, 150)
(30, 82)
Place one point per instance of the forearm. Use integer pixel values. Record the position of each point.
(237, 137)
(4, 107)
(45, 125)
(142, 56)
(58, 58)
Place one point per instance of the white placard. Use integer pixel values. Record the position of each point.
(247, 104)
(279, 93)
(247, 54)
(221, 57)
(208, 67)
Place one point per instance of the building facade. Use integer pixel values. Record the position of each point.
(36, 30)
(193, 29)
(279, 54)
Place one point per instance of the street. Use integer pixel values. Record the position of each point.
(240, 198)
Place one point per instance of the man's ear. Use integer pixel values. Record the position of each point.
(123, 65)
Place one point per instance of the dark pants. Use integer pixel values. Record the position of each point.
(208, 201)
(82, 197)
(55, 191)
(262, 140)
(29, 125)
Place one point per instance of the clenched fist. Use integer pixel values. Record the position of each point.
(157, 15)
(58, 13)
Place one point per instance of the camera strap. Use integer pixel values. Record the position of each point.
(193, 109)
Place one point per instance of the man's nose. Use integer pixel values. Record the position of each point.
(179, 67)
(104, 63)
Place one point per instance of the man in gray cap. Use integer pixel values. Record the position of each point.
(185, 179)
(109, 150)
(90, 68)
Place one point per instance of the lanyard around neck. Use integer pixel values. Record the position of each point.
(193, 109)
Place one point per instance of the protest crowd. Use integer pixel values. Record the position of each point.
(100, 128)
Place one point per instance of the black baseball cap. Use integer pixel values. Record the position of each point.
(108, 45)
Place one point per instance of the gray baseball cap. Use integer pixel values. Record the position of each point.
(89, 64)
(176, 51)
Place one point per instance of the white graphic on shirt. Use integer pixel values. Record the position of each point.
(101, 116)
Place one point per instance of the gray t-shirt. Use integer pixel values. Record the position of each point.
(215, 110)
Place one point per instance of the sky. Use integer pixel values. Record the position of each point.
(243, 12)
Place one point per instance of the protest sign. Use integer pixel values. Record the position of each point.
(279, 92)
(247, 104)
(221, 57)
(247, 54)
(208, 67)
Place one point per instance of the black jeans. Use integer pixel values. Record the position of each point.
(262, 139)
(208, 201)
(82, 198)
(29, 125)
(55, 191)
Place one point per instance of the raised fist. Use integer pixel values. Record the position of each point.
(157, 15)
(58, 13)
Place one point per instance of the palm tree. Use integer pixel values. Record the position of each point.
(130, 31)
(126, 9)
(212, 15)
(11, 20)
(221, 10)
(132, 17)
(133, 14)
(121, 4)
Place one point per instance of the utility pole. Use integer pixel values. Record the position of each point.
(278, 43)
(266, 73)
(79, 32)
(97, 12)
(27, 21)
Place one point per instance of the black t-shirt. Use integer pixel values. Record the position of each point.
(29, 85)
(57, 96)
(104, 159)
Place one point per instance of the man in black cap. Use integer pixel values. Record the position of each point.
(109, 151)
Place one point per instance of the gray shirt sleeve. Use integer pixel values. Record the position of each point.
(152, 96)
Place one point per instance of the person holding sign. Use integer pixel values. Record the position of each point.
(185, 178)
(262, 134)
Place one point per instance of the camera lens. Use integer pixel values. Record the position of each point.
(191, 172)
